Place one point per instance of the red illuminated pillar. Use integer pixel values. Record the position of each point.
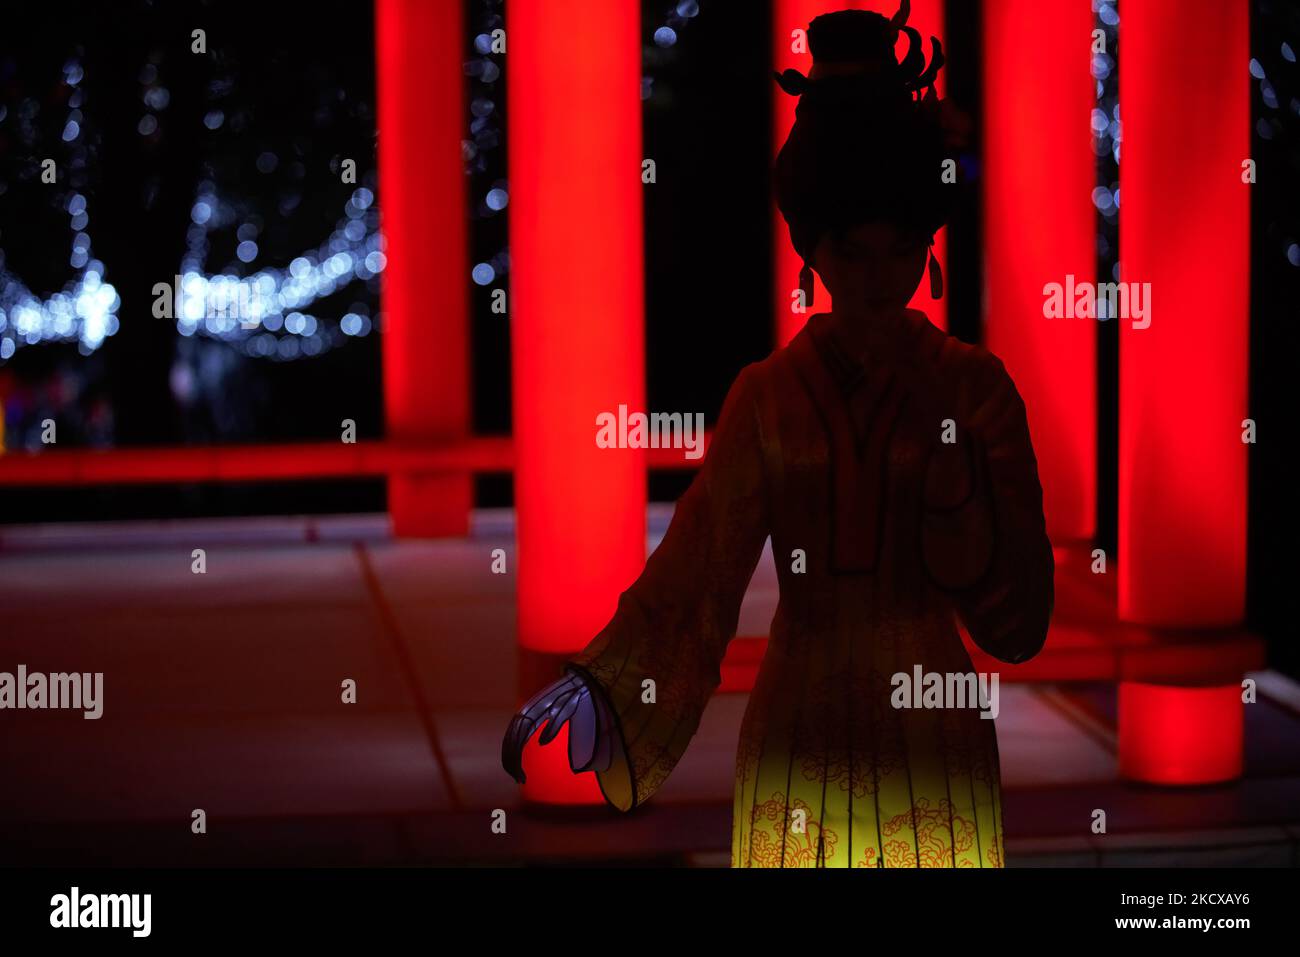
(1039, 227)
(1185, 229)
(1182, 736)
(789, 16)
(577, 307)
(425, 335)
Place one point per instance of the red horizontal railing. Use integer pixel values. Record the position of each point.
(281, 462)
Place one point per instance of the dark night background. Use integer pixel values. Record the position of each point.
(293, 84)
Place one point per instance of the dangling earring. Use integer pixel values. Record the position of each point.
(936, 276)
(807, 284)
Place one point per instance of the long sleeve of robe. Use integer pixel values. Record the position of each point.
(658, 659)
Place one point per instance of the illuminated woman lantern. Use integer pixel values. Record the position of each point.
(891, 465)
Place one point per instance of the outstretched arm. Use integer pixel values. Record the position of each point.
(659, 658)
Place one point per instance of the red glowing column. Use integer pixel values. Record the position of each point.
(1039, 227)
(789, 16)
(421, 189)
(577, 309)
(1185, 229)
(1170, 735)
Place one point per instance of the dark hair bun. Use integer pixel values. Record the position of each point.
(868, 143)
(851, 36)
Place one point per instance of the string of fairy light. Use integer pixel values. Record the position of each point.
(268, 317)
(266, 312)
(262, 313)
(85, 309)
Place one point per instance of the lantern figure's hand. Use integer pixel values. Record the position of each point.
(571, 700)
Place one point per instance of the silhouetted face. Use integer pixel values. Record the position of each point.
(874, 266)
